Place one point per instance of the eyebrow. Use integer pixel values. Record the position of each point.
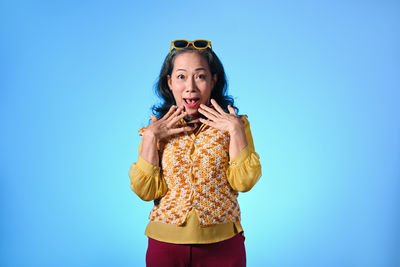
(195, 69)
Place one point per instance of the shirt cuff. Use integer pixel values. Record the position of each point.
(149, 169)
(239, 158)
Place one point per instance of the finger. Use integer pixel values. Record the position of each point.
(210, 110)
(169, 113)
(194, 121)
(153, 118)
(209, 115)
(217, 107)
(176, 113)
(180, 130)
(176, 119)
(208, 122)
(231, 110)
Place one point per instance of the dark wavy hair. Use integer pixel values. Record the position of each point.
(219, 92)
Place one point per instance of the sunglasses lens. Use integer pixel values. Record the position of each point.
(201, 44)
(180, 44)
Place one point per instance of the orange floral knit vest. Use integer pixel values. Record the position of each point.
(195, 172)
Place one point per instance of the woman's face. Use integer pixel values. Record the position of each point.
(191, 81)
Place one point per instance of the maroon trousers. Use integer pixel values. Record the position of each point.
(229, 253)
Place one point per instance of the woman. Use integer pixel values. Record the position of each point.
(195, 155)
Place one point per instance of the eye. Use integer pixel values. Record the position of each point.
(201, 76)
(180, 76)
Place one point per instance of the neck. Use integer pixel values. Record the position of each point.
(193, 117)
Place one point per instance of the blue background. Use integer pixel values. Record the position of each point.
(319, 80)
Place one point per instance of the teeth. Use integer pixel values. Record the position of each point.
(191, 101)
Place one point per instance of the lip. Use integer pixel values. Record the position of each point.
(191, 102)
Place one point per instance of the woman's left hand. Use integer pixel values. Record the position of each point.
(221, 120)
(229, 122)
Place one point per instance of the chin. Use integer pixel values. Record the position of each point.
(192, 112)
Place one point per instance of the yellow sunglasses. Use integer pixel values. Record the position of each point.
(198, 44)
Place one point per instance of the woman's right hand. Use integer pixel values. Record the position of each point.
(167, 125)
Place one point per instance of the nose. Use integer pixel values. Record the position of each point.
(191, 85)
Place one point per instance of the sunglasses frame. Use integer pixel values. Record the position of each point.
(190, 43)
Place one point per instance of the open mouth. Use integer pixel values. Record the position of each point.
(192, 102)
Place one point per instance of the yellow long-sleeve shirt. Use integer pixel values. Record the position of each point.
(242, 172)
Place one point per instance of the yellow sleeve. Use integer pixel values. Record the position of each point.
(146, 179)
(244, 169)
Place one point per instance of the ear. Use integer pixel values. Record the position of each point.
(169, 82)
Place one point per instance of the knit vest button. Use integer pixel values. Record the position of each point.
(192, 149)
